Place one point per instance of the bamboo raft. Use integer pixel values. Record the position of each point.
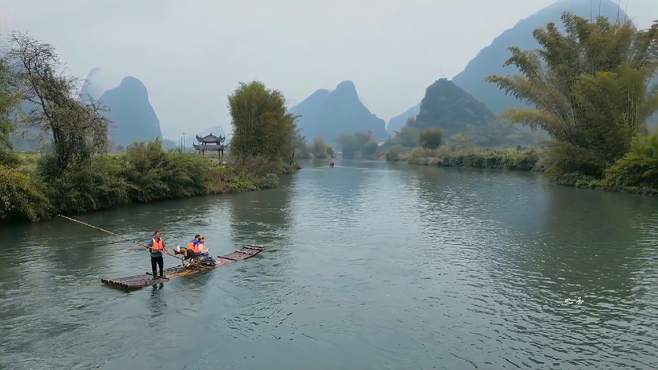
(141, 281)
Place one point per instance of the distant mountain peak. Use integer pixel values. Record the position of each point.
(92, 88)
(332, 113)
(133, 84)
(132, 117)
(345, 90)
(346, 85)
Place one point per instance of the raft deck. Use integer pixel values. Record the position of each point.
(141, 281)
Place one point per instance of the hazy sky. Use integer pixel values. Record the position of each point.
(191, 54)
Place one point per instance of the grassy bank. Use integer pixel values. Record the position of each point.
(511, 159)
(146, 173)
(636, 172)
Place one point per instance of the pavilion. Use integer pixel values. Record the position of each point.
(210, 143)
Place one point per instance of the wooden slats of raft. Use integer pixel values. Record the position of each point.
(141, 281)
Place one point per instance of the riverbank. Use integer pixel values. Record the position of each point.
(510, 159)
(618, 179)
(146, 173)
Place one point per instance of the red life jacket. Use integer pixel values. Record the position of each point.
(157, 246)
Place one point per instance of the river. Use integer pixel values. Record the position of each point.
(367, 266)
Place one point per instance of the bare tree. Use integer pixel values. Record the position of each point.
(78, 129)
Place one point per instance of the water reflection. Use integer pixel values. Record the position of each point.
(533, 250)
(261, 217)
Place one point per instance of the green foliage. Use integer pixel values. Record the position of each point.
(589, 87)
(512, 159)
(152, 173)
(638, 167)
(360, 142)
(92, 185)
(431, 138)
(369, 150)
(262, 126)
(319, 149)
(9, 99)
(9, 158)
(301, 150)
(394, 154)
(20, 197)
(407, 136)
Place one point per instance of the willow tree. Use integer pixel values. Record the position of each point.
(50, 101)
(262, 126)
(589, 86)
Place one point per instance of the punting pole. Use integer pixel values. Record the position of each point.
(111, 233)
(88, 225)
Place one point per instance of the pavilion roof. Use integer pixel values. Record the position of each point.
(210, 139)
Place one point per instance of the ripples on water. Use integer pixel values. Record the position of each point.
(368, 266)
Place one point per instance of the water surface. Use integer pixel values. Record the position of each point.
(368, 266)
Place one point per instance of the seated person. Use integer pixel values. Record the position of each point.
(192, 248)
(201, 246)
(204, 252)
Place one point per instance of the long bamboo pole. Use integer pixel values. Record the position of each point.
(88, 225)
(114, 234)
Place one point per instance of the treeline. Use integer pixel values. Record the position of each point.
(78, 175)
(592, 88)
(317, 149)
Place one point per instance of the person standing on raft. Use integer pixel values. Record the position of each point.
(156, 247)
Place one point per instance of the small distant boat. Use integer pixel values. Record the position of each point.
(141, 281)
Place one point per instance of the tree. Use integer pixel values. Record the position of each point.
(348, 145)
(369, 150)
(262, 125)
(299, 143)
(638, 167)
(79, 130)
(358, 142)
(9, 99)
(407, 136)
(589, 90)
(319, 149)
(431, 138)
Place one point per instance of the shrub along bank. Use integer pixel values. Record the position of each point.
(145, 173)
(635, 172)
(512, 159)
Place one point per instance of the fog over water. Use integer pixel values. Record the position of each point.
(192, 54)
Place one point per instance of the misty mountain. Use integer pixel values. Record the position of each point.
(490, 60)
(130, 112)
(331, 113)
(450, 108)
(396, 123)
(92, 88)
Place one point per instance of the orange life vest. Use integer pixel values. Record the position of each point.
(192, 247)
(157, 246)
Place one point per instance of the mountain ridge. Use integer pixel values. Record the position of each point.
(330, 113)
(491, 58)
